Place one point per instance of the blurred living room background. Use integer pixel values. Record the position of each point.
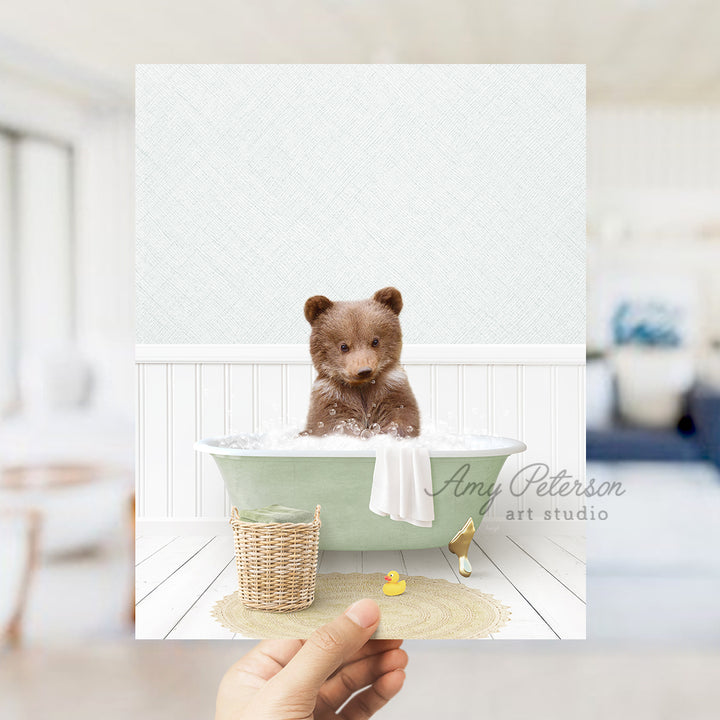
(66, 330)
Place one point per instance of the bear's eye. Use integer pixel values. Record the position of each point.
(344, 347)
(375, 342)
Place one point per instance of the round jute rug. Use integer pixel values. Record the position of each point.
(429, 609)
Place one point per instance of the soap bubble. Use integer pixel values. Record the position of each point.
(349, 436)
(400, 407)
(332, 411)
(372, 382)
(321, 424)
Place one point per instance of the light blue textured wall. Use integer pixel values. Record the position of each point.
(260, 185)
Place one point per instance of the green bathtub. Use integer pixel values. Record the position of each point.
(340, 481)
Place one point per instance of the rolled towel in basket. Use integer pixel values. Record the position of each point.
(275, 514)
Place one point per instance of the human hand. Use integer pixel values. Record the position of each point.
(312, 679)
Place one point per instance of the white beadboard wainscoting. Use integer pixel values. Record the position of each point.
(535, 393)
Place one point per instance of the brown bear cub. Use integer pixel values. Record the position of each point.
(360, 388)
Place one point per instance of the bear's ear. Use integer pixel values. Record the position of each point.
(315, 306)
(391, 297)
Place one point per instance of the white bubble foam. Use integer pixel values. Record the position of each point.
(350, 436)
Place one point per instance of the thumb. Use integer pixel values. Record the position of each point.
(328, 648)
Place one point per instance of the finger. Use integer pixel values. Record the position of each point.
(264, 661)
(374, 647)
(369, 701)
(355, 676)
(281, 651)
(328, 648)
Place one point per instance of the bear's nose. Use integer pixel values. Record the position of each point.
(364, 372)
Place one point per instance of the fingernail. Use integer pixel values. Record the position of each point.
(363, 613)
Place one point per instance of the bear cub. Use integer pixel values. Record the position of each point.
(360, 387)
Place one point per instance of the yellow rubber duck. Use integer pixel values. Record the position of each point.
(393, 586)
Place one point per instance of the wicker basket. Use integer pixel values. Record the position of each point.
(276, 563)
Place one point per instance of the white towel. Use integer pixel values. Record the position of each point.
(401, 477)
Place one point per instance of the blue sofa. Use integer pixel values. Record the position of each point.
(697, 436)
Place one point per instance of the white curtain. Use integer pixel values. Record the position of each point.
(37, 268)
(105, 256)
(45, 253)
(8, 339)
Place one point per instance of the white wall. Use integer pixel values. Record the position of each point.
(654, 208)
(653, 148)
(184, 393)
(261, 185)
(8, 338)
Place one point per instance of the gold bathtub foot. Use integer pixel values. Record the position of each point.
(460, 545)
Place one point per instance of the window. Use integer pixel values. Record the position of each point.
(37, 267)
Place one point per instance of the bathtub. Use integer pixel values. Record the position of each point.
(340, 481)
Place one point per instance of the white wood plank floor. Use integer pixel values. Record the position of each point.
(541, 579)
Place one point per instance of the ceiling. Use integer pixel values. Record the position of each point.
(635, 50)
